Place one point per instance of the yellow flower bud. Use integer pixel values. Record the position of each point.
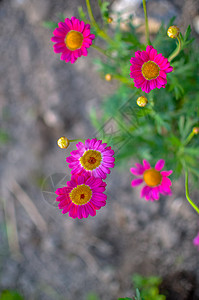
(108, 77)
(196, 130)
(109, 20)
(142, 101)
(173, 32)
(63, 142)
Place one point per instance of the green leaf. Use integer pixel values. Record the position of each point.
(192, 151)
(10, 295)
(125, 298)
(49, 24)
(92, 296)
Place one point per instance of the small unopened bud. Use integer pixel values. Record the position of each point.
(109, 20)
(63, 142)
(142, 101)
(173, 32)
(196, 130)
(108, 77)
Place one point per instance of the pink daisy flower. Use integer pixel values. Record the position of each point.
(72, 38)
(196, 241)
(93, 158)
(82, 196)
(149, 69)
(156, 181)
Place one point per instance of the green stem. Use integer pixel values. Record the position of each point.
(123, 79)
(189, 138)
(187, 193)
(176, 51)
(100, 50)
(90, 13)
(146, 23)
(77, 140)
(100, 32)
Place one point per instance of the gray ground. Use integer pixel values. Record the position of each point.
(41, 99)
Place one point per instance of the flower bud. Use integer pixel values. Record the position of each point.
(173, 32)
(196, 130)
(63, 142)
(142, 101)
(109, 20)
(108, 77)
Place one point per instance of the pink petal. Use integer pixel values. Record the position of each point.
(146, 164)
(136, 182)
(163, 74)
(91, 209)
(153, 84)
(148, 49)
(145, 190)
(166, 182)
(73, 211)
(166, 173)
(155, 193)
(153, 54)
(160, 164)
(85, 212)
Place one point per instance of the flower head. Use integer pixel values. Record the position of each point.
(156, 181)
(63, 142)
(149, 69)
(108, 77)
(173, 32)
(196, 130)
(93, 158)
(72, 38)
(82, 196)
(142, 101)
(196, 241)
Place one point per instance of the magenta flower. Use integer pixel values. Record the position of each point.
(82, 196)
(93, 158)
(156, 181)
(196, 241)
(149, 69)
(72, 38)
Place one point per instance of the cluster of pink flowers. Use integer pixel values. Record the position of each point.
(84, 193)
(148, 68)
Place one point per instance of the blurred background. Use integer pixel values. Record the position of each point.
(44, 254)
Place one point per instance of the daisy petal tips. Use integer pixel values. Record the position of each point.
(156, 181)
(82, 196)
(149, 69)
(93, 158)
(72, 38)
(196, 241)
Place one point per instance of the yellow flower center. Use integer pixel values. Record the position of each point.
(150, 70)
(91, 160)
(152, 177)
(74, 40)
(81, 194)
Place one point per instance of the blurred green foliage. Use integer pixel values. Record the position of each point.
(10, 295)
(160, 129)
(92, 296)
(148, 286)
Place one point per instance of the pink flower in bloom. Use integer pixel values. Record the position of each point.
(72, 38)
(82, 196)
(149, 69)
(156, 181)
(93, 158)
(196, 241)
